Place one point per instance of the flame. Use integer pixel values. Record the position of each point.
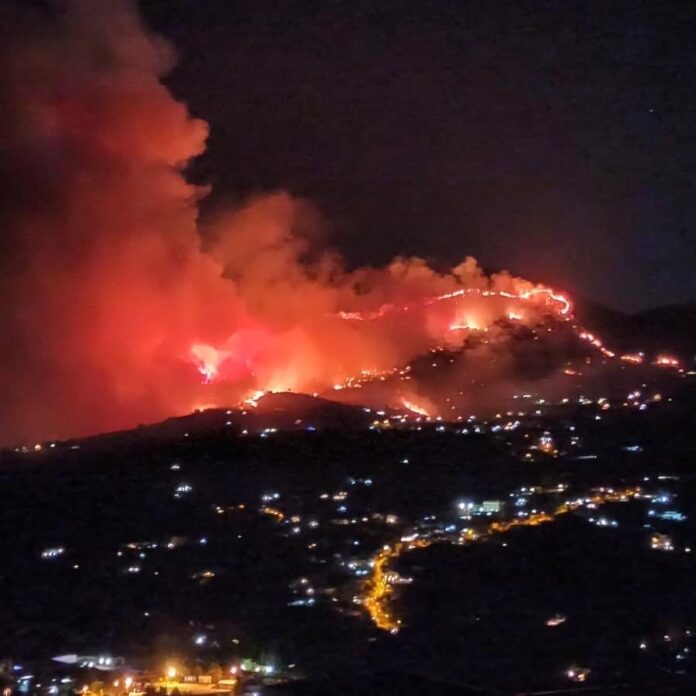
(551, 298)
(210, 360)
(415, 408)
(207, 360)
(563, 300)
(107, 264)
(467, 324)
(254, 398)
(597, 343)
(667, 361)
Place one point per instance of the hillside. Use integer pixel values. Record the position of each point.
(671, 328)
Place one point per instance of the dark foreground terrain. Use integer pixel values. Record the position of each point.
(220, 546)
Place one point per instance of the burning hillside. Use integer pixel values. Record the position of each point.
(118, 306)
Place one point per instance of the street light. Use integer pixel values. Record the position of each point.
(171, 672)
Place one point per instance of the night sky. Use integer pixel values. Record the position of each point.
(554, 139)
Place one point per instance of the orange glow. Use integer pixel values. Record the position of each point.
(302, 361)
(254, 398)
(467, 324)
(555, 302)
(379, 590)
(667, 361)
(415, 408)
(149, 309)
(273, 512)
(565, 304)
(597, 343)
(207, 360)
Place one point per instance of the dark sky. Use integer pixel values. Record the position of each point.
(556, 139)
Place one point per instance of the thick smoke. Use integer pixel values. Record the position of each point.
(117, 306)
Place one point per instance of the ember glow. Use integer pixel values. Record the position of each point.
(597, 343)
(667, 361)
(119, 306)
(633, 358)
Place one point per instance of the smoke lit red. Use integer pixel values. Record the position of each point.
(339, 347)
(120, 307)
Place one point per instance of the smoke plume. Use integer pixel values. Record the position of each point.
(118, 307)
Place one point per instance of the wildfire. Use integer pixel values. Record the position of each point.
(667, 361)
(560, 301)
(215, 364)
(415, 408)
(467, 325)
(254, 398)
(597, 343)
(207, 360)
(563, 300)
(163, 296)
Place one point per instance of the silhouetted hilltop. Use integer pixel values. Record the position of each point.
(671, 328)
